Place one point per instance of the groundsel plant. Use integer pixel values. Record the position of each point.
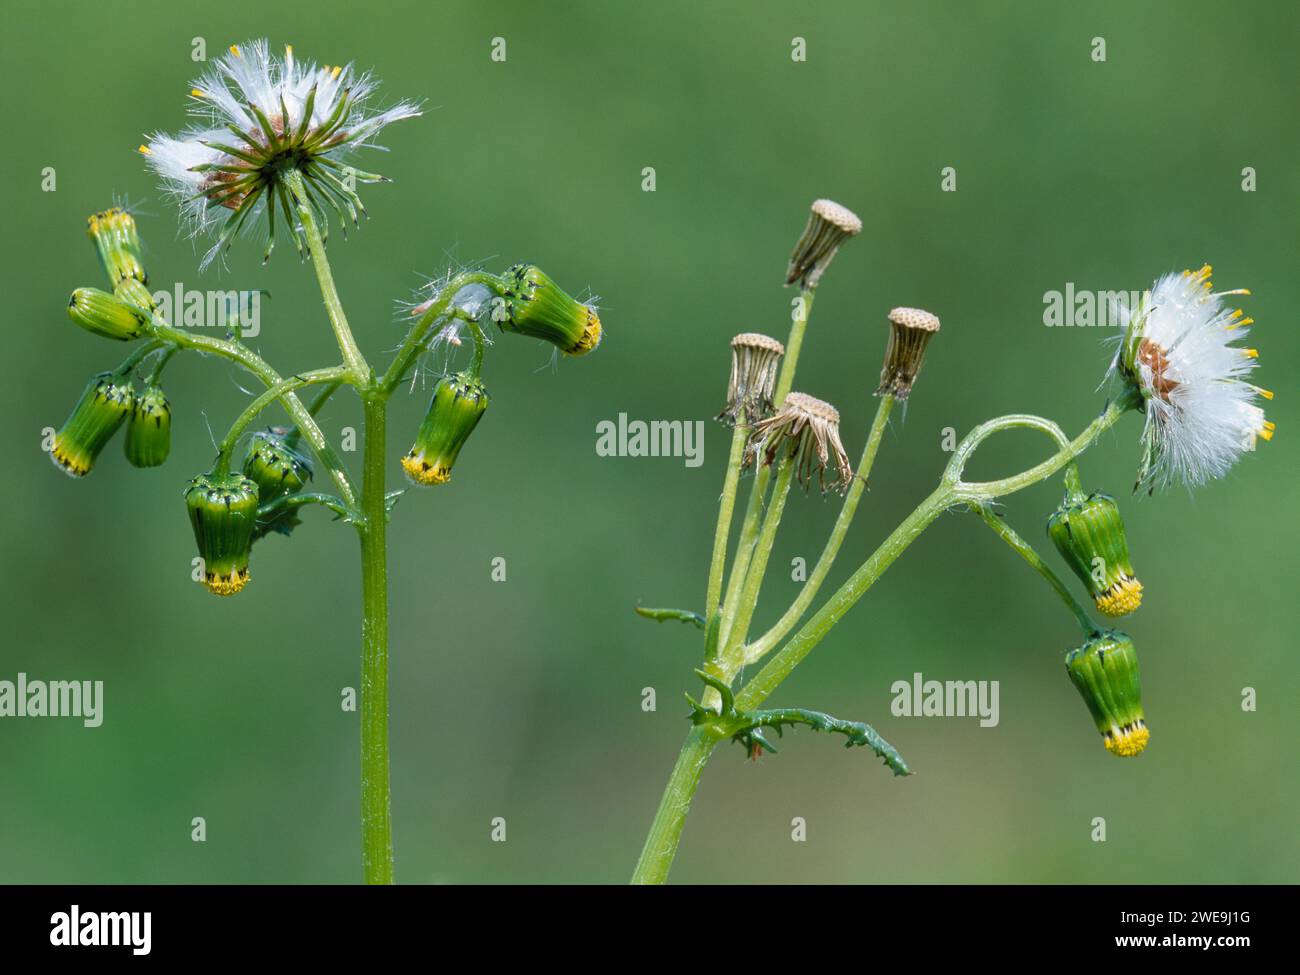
(272, 148)
(1178, 363)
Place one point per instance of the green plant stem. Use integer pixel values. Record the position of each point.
(138, 355)
(760, 647)
(290, 501)
(726, 510)
(661, 845)
(255, 364)
(666, 830)
(376, 804)
(785, 379)
(265, 399)
(1026, 552)
(418, 335)
(168, 353)
(352, 357)
(731, 661)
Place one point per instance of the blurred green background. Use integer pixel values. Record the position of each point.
(522, 699)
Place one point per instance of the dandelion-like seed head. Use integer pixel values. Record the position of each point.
(1178, 354)
(829, 225)
(754, 362)
(910, 331)
(262, 118)
(809, 429)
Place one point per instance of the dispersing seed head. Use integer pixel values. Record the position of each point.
(261, 119)
(829, 225)
(149, 431)
(910, 331)
(223, 514)
(1177, 356)
(103, 408)
(1105, 671)
(457, 405)
(810, 430)
(754, 362)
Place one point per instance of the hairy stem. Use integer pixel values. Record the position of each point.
(352, 357)
(418, 335)
(376, 803)
(666, 830)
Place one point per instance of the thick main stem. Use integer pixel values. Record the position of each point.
(376, 804)
(666, 830)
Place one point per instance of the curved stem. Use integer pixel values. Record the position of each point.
(138, 355)
(255, 364)
(480, 343)
(265, 399)
(352, 357)
(289, 501)
(168, 353)
(666, 831)
(760, 647)
(376, 804)
(413, 344)
(1026, 552)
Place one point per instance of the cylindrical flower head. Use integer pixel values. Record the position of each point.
(275, 466)
(107, 315)
(103, 407)
(1089, 534)
(457, 406)
(223, 513)
(810, 429)
(149, 432)
(1105, 670)
(754, 362)
(135, 293)
(535, 305)
(910, 331)
(114, 234)
(829, 224)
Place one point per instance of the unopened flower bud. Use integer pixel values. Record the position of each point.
(1089, 534)
(535, 305)
(136, 294)
(223, 513)
(754, 362)
(810, 430)
(107, 315)
(275, 466)
(115, 237)
(829, 224)
(1105, 671)
(457, 406)
(104, 406)
(149, 431)
(910, 331)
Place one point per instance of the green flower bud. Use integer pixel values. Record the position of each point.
(149, 431)
(135, 293)
(103, 407)
(107, 315)
(275, 466)
(1089, 534)
(1105, 670)
(223, 513)
(457, 405)
(535, 305)
(114, 234)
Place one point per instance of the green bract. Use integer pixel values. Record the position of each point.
(1105, 671)
(533, 304)
(115, 237)
(149, 432)
(104, 405)
(1089, 534)
(107, 315)
(457, 405)
(223, 514)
